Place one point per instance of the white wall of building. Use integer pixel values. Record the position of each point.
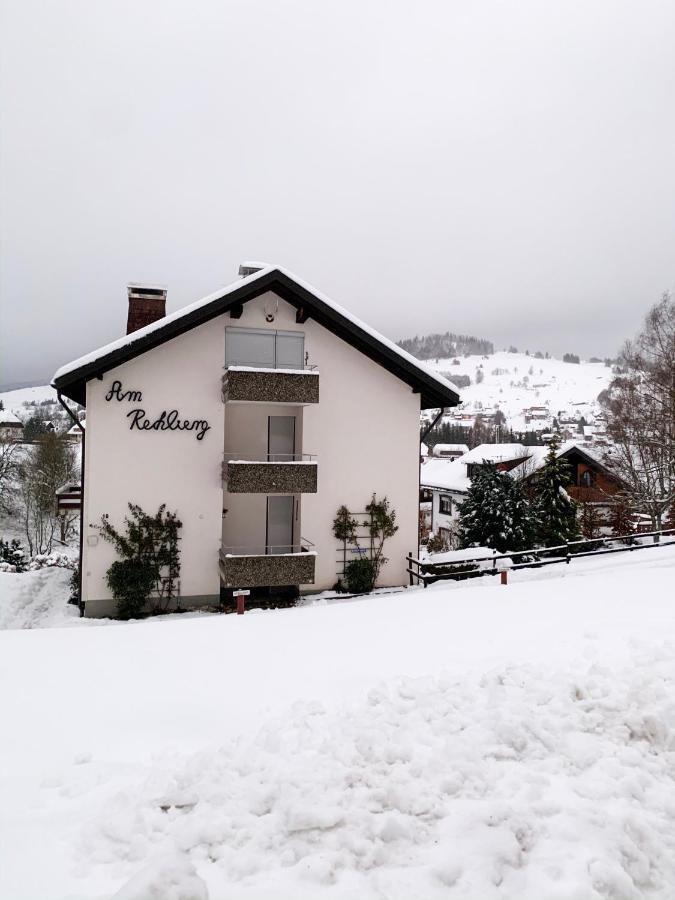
(364, 431)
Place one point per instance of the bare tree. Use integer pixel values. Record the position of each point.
(9, 459)
(640, 405)
(48, 465)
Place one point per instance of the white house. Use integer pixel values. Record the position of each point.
(247, 414)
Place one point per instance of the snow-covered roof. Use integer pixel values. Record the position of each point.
(495, 453)
(445, 474)
(75, 429)
(8, 418)
(538, 456)
(436, 390)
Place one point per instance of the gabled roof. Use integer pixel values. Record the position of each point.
(435, 390)
(538, 457)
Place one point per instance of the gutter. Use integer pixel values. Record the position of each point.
(79, 425)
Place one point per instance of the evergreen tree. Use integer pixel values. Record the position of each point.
(495, 513)
(557, 512)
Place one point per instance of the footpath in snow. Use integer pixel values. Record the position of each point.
(469, 741)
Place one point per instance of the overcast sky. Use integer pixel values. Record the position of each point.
(505, 169)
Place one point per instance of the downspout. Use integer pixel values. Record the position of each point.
(433, 424)
(79, 425)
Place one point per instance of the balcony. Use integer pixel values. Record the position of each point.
(247, 384)
(277, 473)
(247, 567)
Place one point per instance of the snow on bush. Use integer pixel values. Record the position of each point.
(529, 782)
(43, 561)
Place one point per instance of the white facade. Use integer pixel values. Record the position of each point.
(363, 433)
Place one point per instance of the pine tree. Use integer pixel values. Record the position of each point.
(495, 513)
(556, 510)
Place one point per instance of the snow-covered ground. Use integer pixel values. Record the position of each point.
(469, 741)
(514, 382)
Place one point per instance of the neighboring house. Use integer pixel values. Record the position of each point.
(450, 451)
(593, 480)
(247, 414)
(11, 427)
(448, 480)
(74, 433)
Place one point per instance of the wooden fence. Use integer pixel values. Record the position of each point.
(427, 571)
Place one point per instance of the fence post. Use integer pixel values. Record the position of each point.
(410, 574)
(567, 548)
(504, 576)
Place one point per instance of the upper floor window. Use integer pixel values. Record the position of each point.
(264, 348)
(445, 504)
(587, 478)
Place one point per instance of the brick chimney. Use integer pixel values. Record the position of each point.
(147, 303)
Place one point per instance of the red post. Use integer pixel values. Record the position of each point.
(504, 575)
(241, 603)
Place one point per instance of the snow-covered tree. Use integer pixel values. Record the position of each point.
(495, 513)
(557, 512)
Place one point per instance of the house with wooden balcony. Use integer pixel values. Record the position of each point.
(253, 414)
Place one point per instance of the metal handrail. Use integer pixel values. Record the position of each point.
(254, 368)
(259, 457)
(303, 546)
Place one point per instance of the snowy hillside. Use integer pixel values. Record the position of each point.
(20, 401)
(515, 382)
(467, 742)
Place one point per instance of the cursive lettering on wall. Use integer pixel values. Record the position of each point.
(117, 393)
(167, 421)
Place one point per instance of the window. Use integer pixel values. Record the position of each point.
(264, 348)
(445, 505)
(587, 478)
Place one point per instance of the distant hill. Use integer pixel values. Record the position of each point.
(445, 346)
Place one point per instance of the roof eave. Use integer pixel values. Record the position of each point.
(432, 395)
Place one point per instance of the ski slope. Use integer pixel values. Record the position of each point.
(467, 741)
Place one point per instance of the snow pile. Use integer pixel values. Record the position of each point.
(37, 599)
(529, 782)
(173, 878)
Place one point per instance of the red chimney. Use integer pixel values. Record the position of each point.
(147, 303)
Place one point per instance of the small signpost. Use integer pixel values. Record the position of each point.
(240, 596)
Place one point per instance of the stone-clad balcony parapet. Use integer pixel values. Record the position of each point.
(244, 384)
(297, 475)
(239, 569)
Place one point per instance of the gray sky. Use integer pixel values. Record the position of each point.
(494, 167)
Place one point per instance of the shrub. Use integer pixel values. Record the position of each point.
(131, 582)
(12, 556)
(150, 561)
(360, 575)
(437, 544)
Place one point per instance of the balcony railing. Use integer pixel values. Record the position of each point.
(268, 566)
(248, 384)
(270, 473)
